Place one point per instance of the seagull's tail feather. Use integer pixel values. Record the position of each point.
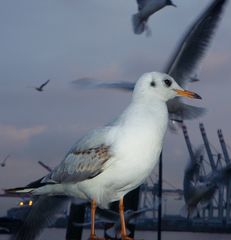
(138, 24)
(27, 189)
(39, 216)
(20, 190)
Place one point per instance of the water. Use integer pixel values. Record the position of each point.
(59, 234)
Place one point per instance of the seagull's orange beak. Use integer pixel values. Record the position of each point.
(186, 93)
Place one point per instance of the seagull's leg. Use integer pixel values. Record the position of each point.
(93, 209)
(122, 221)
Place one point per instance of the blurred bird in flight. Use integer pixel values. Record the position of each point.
(145, 9)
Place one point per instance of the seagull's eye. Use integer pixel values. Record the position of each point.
(152, 84)
(167, 82)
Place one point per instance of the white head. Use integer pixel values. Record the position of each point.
(159, 86)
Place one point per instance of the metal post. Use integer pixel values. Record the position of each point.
(76, 215)
(206, 142)
(228, 196)
(212, 162)
(228, 161)
(220, 192)
(160, 199)
(223, 146)
(188, 142)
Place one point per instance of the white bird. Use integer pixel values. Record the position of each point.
(111, 161)
(183, 63)
(145, 9)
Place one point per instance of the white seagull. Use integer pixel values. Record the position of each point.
(111, 161)
(145, 9)
(198, 190)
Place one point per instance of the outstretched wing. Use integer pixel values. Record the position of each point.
(141, 4)
(193, 46)
(90, 83)
(44, 84)
(183, 111)
(5, 159)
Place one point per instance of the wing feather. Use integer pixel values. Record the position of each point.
(85, 160)
(82, 164)
(91, 83)
(193, 46)
(141, 4)
(44, 84)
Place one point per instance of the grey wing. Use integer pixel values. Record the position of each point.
(5, 159)
(141, 4)
(44, 84)
(90, 83)
(181, 111)
(193, 46)
(122, 85)
(85, 160)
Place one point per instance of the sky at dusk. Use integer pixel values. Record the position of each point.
(63, 40)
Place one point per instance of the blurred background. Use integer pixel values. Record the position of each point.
(66, 40)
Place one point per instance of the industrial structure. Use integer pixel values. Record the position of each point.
(213, 217)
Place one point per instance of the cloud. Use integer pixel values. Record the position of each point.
(13, 135)
(216, 60)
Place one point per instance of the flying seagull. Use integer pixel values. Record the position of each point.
(198, 191)
(191, 178)
(40, 88)
(3, 163)
(111, 161)
(145, 9)
(183, 63)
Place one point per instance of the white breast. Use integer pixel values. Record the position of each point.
(136, 141)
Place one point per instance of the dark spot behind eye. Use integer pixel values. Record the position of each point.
(168, 82)
(152, 84)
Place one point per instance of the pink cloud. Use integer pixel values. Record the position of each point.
(13, 135)
(216, 60)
